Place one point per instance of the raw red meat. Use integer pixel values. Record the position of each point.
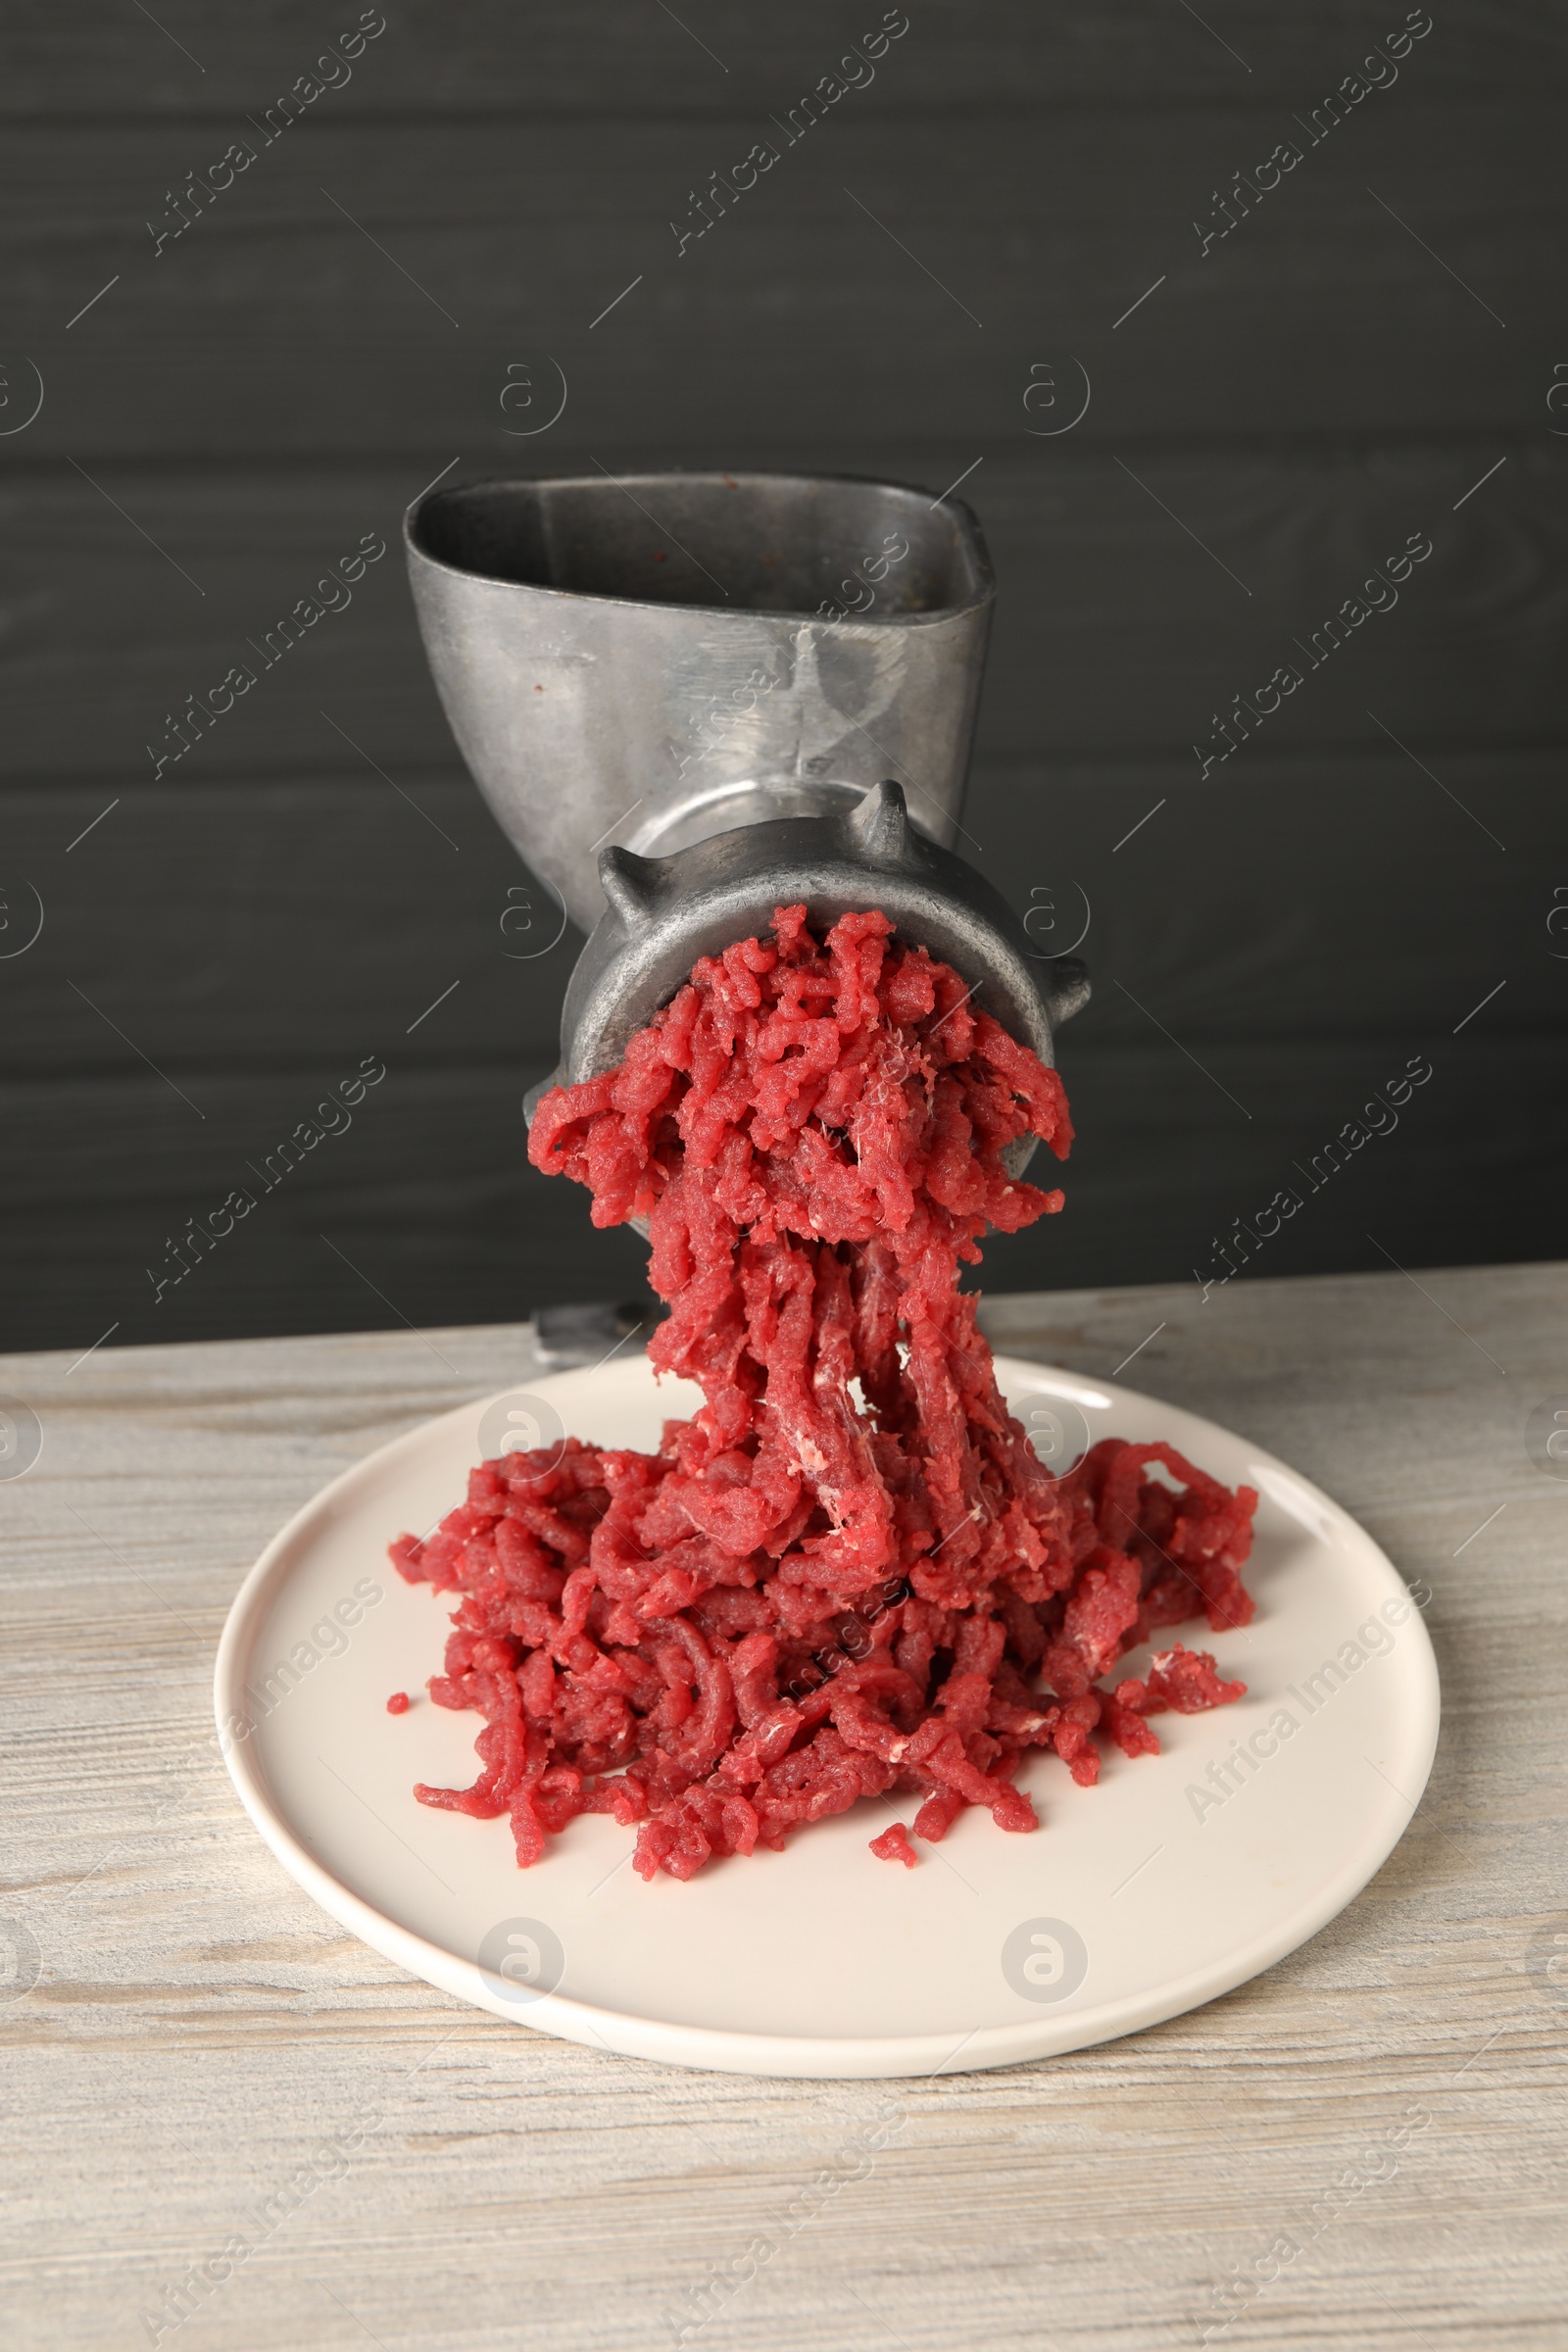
(848, 1574)
(894, 1847)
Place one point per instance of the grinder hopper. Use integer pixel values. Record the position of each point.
(760, 688)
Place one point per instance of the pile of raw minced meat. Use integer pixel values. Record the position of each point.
(847, 1575)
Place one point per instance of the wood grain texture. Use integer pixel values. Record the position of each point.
(1117, 632)
(489, 62)
(1267, 949)
(197, 2029)
(359, 287)
(428, 1198)
(1277, 414)
(1287, 898)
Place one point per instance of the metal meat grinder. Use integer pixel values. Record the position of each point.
(760, 688)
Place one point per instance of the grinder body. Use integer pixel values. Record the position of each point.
(762, 686)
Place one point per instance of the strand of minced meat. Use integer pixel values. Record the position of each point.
(815, 1130)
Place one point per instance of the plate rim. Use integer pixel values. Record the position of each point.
(786, 2056)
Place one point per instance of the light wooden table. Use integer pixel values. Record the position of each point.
(198, 2032)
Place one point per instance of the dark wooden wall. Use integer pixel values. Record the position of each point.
(1284, 410)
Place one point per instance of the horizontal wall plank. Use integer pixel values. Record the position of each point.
(274, 322)
(428, 1193)
(430, 1213)
(1115, 630)
(1166, 1163)
(488, 59)
(261, 926)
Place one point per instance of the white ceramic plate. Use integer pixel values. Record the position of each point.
(1176, 1878)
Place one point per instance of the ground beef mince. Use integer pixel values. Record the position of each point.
(848, 1574)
